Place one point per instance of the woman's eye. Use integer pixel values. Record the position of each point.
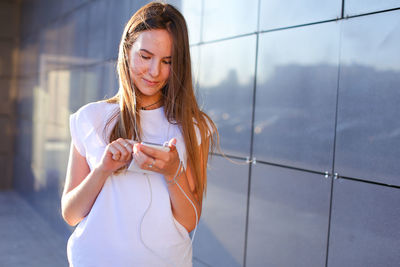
(144, 57)
(167, 62)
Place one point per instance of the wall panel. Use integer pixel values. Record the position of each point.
(219, 240)
(365, 225)
(226, 90)
(296, 96)
(279, 14)
(368, 131)
(288, 217)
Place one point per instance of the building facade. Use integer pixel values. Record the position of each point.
(305, 95)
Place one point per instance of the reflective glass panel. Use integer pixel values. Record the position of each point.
(97, 30)
(9, 16)
(68, 5)
(74, 28)
(28, 19)
(355, 7)
(226, 90)
(219, 240)
(100, 82)
(194, 57)
(28, 59)
(46, 11)
(23, 178)
(199, 263)
(6, 59)
(226, 19)
(191, 10)
(6, 99)
(368, 131)
(364, 225)
(296, 96)
(109, 84)
(136, 4)
(6, 130)
(49, 48)
(288, 217)
(117, 15)
(24, 102)
(73, 83)
(277, 13)
(93, 83)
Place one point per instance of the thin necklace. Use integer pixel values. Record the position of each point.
(145, 107)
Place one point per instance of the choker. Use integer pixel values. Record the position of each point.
(145, 107)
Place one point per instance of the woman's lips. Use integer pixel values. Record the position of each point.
(149, 83)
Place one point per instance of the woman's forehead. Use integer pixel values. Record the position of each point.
(157, 42)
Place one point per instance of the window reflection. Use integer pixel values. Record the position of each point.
(226, 89)
(355, 7)
(296, 96)
(192, 11)
(278, 14)
(224, 18)
(288, 217)
(368, 131)
(218, 243)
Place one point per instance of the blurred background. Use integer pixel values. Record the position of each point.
(306, 98)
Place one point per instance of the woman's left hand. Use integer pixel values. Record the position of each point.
(156, 160)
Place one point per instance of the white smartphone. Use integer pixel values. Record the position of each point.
(135, 168)
(156, 146)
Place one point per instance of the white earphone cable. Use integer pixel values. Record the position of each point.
(141, 223)
(145, 213)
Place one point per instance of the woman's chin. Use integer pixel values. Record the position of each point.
(150, 92)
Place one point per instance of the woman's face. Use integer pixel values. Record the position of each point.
(150, 61)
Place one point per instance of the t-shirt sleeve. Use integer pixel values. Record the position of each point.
(76, 136)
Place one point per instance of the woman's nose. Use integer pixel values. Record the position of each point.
(154, 69)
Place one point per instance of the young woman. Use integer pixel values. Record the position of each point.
(140, 216)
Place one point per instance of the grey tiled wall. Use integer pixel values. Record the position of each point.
(300, 91)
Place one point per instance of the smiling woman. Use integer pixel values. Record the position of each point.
(140, 216)
(150, 60)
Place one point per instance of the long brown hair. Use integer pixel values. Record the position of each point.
(180, 103)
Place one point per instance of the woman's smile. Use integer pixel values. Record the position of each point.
(150, 83)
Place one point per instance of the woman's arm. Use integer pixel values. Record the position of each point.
(182, 209)
(167, 163)
(82, 186)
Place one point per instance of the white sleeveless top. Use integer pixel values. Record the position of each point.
(131, 221)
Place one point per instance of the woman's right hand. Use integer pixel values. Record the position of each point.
(117, 154)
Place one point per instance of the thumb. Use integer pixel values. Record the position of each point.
(172, 143)
(131, 141)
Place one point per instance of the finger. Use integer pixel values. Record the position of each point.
(151, 163)
(152, 152)
(139, 158)
(116, 154)
(155, 165)
(125, 154)
(127, 145)
(145, 162)
(172, 143)
(132, 142)
(136, 148)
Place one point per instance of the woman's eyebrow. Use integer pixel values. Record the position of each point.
(148, 52)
